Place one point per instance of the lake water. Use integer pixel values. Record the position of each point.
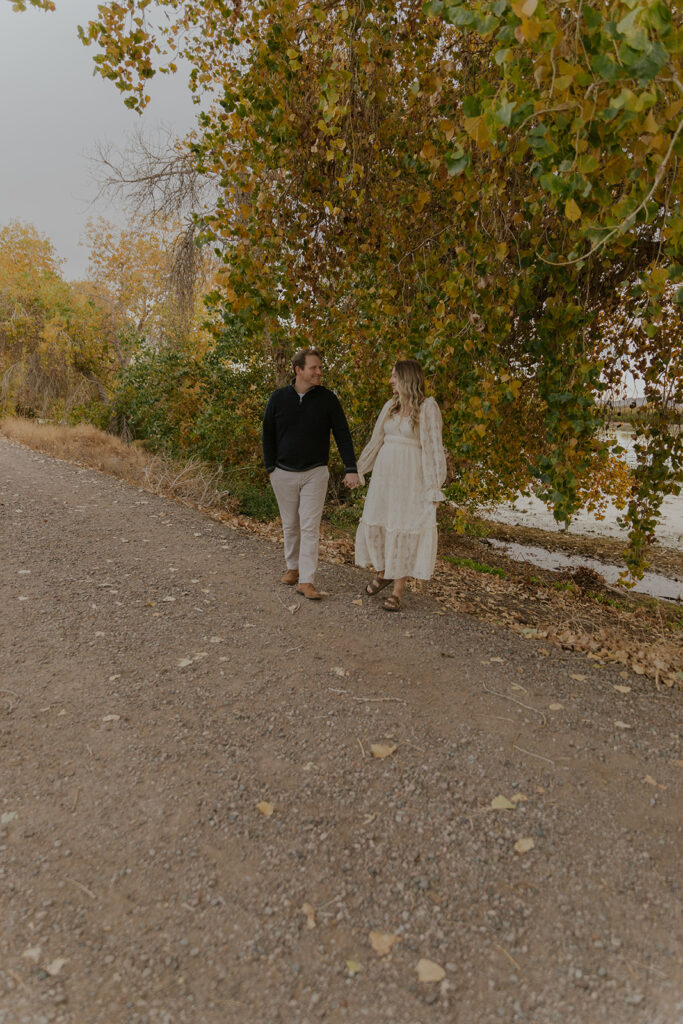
(533, 512)
(530, 511)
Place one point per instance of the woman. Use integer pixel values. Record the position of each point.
(397, 532)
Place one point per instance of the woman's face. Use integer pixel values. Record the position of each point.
(394, 381)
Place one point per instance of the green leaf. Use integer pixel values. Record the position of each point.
(605, 67)
(433, 8)
(650, 63)
(591, 17)
(471, 106)
(658, 18)
(505, 111)
(459, 16)
(456, 161)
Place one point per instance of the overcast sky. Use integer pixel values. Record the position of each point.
(52, 114)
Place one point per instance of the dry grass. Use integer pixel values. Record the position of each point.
(192, 482)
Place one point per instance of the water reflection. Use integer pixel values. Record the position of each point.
(652, 583)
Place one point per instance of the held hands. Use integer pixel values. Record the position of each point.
(351, 481)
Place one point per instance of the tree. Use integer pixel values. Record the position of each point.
(51, 351)
(467, 182)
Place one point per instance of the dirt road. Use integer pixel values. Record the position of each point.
(157, 684)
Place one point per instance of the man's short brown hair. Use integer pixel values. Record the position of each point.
(300, 358)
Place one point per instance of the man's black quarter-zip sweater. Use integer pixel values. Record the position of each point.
(296, 430)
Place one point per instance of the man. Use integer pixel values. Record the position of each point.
(296, 450)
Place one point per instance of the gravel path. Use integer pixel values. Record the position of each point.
(157, 684)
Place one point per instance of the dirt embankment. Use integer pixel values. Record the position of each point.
(222, 803)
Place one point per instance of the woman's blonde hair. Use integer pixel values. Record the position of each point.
(410, 381)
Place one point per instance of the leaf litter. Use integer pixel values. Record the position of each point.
(383, 942)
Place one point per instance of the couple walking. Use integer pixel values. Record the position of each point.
(397, 532)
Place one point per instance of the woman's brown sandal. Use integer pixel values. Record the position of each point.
(374, 586)
(392, 603)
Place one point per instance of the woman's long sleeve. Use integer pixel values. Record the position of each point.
(433, 456)
(371, 450)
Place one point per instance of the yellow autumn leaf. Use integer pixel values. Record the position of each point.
(428, 970)
(265, 808)
(382, 942)
(519, 798)
(555, 707)
(441, 308)
(448, 128)
(381, 750)
(524, 8)
(477, 128)
(571, 210)
(524, 845)
(650, 124)
(623, 725)
(621, 689)
(501, 803)
(353, 966)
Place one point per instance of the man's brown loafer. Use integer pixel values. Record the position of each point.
(291, 577)
(309, 591)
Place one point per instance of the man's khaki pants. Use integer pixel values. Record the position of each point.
(300, 498)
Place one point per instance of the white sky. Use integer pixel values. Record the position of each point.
(52, 114)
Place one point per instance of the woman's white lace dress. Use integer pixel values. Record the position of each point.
(397, 531)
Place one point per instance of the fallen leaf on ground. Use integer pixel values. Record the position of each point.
(623, 725)
(621, 689)
(339, 671)
(578, 676)
(359, 601)
(382, 942)
(555, 707)
(32, 953)
(308, 910)
(184, 662)
(501, 661)
(111, 718)
(427, 970)
(653, 782)
(519, 798)
(524, 845)
(501, 803)
(353, 967)
(8, 816)
(265, 808)
(383, 749)
(55, 967)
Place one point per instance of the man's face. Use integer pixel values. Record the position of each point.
(311, 375)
